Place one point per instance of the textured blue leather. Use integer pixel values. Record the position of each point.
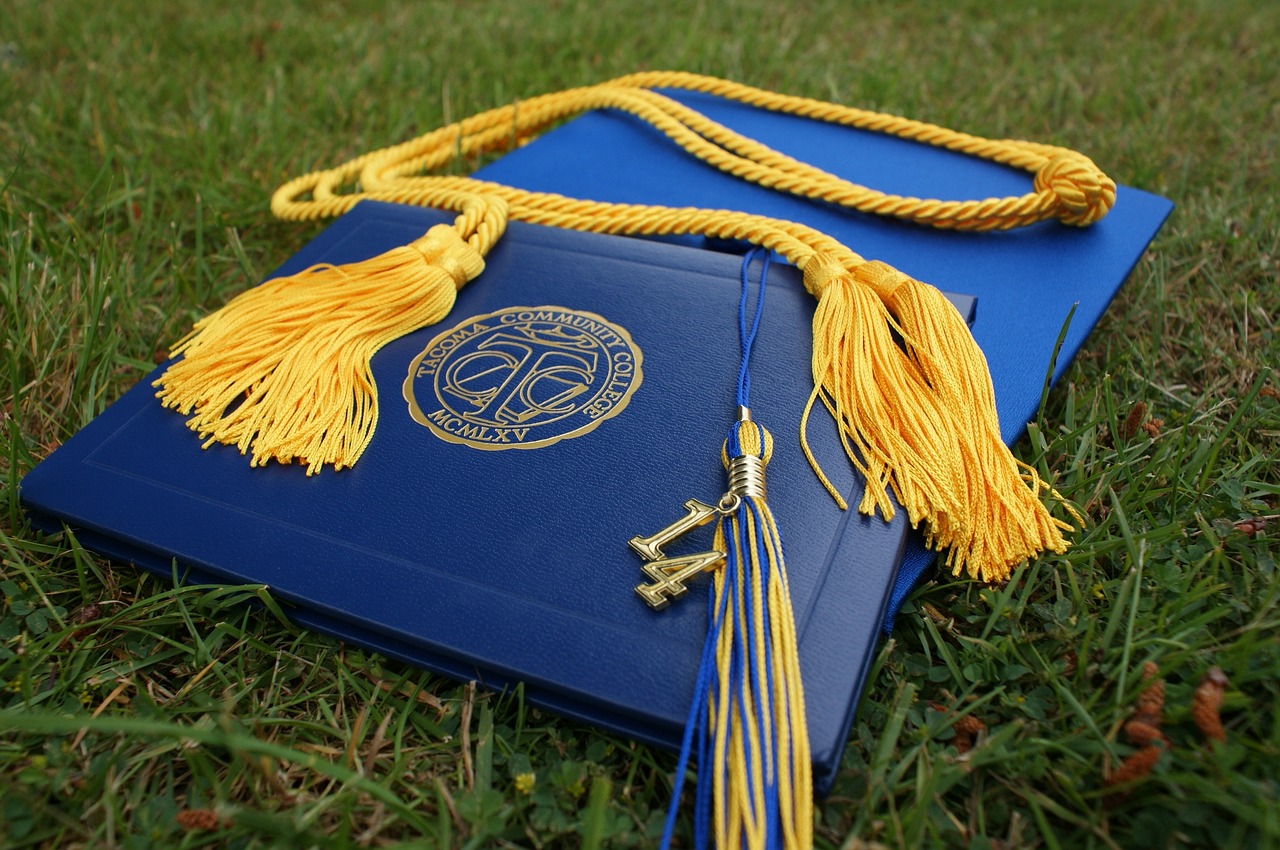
(509, 566)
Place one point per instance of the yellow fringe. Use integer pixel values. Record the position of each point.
(736, 739)
(919, 423)
(283, 369)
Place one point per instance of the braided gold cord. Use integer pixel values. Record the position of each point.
(1067, 185)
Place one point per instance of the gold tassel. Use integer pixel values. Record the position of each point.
(282, 370)
(917, 414)
(1003, 521)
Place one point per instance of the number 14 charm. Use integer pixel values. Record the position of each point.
(670, 574)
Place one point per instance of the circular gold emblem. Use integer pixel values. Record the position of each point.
(523, 377)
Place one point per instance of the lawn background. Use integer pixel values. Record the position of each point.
(139, 142)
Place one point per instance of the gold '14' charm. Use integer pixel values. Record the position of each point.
(670, 574)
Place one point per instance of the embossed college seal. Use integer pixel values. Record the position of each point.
(523, 377)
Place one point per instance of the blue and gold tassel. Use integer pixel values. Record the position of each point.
(747, 720)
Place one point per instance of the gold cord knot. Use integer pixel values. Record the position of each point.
(883, 278)
(1082, 194)
(441, 246)
(820, 271)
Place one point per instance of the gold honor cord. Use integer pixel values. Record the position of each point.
(282, 371)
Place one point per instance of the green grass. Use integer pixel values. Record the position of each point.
(138, 144)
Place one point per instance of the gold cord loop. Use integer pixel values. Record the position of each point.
(1072, 190)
